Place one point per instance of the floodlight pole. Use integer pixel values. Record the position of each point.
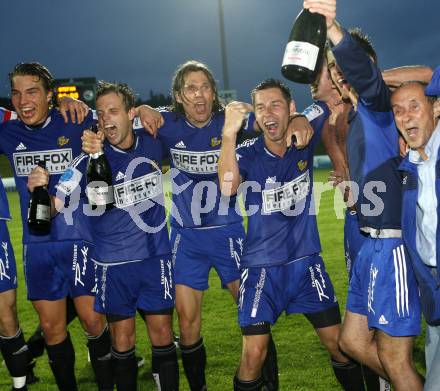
(223, 46)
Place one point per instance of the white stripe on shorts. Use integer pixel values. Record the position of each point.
(401, 282)
(244, 277)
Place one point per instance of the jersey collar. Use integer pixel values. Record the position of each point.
(131, 149)
(47, 122)
(195, 127)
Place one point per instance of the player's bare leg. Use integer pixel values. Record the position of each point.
(8, 318)
(395, 354)
(233, 289)
(164, 363)
(53, 325)
(92, 322)
(358, 342)
(253, 355)
(189, 308)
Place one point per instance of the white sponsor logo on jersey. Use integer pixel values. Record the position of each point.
(205, 162)
(180, 144)
(138, 190)
(20, 147)
(56, 161)
(120, 176)
(313, 111)
(287, 195)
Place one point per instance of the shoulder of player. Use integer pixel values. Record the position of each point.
(79, 161)
(248, 144)
(248, 149)
(58, 121)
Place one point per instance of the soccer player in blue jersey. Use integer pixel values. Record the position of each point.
(132, 252)
(57, 264)
(281, 269)
(200, 216)
(383, 309)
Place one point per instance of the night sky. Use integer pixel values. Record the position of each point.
(141, 42)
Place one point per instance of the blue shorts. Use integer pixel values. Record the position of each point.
(196, 251)
(384, 289)
(8, 270)
(301, 286)
(125, 287)
(353, 240)
(54, 270)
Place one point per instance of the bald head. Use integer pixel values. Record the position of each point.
(413, 113)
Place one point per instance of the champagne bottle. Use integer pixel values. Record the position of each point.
(99, 179)
(39, 209)
(304, 52)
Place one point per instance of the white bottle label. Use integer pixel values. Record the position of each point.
(43, 212)
(301, 53)
(100, 196)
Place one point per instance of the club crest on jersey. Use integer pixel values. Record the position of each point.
(302, 165)
(271, 179)
(215, 141)
(62, 141)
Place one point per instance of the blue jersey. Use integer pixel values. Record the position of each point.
(194, 153)
(136, 228)
(372, 141)
(281, 224)
(53, 142)
(5, 214)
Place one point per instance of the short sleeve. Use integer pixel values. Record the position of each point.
(245, 155)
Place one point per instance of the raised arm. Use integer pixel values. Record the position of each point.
(228, 171)
(396, 76)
